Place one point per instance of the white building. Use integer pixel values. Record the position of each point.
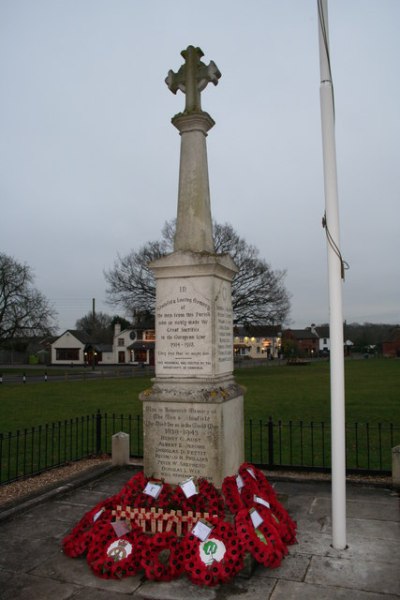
(130, 346)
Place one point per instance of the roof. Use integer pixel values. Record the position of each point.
(85, 339)
(258, 331)
(81, 336)
(141, 344)
(301, 334)
(323, 332)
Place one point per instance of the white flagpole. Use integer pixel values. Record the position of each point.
(335, 272)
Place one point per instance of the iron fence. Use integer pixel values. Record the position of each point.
(33, 450)
(301, 445)
(270, 444)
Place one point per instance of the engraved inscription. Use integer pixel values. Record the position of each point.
(184, 342)
(224, 329)
(184, 438)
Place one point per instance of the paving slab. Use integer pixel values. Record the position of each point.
(180, 589)
(372, 575)
(76, 570)
(28, 587)
(373, 528)
(293, 590)
(293, 568)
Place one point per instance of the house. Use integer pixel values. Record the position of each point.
(301, 341)
(76, 348)
(324, 342)
(135, 346)
(257, 341)
(391, 347)
(130, 346)
(312, 341)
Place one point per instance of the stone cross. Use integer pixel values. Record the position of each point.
(192, 78)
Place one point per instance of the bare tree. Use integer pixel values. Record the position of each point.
(97, 325)
(24, 311)
(259, 295)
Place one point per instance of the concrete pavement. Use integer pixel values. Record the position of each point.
(33, 566)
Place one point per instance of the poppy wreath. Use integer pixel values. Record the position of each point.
(216, 560)
(232, 495)
(153, 560)
(163, 500)
(258, 485)
(208, 499)
(245, 498)
(286, 526)
(111, 556)
(76, 542)
(130, 491)
(263, 543)
(252, 475)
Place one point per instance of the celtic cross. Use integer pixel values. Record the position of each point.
(192, 78)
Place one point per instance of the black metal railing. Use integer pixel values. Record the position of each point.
(270, 444)
(33, 450)
(301, 445)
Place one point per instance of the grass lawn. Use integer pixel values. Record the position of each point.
(286, 393)
(303, 392)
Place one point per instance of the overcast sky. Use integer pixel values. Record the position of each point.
(89, 159)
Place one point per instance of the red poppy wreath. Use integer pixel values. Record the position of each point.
(217, 559)
(263, 541)
(162, 556)
(132, 488)
(248, 497)
(76, 542)
(252, 475)
(111, 556)
(207, 499)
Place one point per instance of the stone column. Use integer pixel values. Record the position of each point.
(194, 224)
(193, 414)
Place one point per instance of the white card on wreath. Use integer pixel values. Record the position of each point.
(121, 527)
(250, 470)
(98, 514)
(202, 530)
(239, 482)
(188, 487)
(261, 501)
(256, 518)
(153, 488)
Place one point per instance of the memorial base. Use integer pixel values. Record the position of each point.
(197, 437)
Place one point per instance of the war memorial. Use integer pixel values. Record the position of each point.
(196, 508)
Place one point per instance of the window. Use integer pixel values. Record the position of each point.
(149, 335)
(67, 353)
(121, 342)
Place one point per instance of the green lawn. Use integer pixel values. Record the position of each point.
(291, 394)
(303, 392)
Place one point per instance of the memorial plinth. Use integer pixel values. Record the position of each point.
(193, 414)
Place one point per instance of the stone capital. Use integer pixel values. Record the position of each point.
(200, 121)
(190, 264)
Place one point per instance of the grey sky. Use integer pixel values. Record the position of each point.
(89, 159)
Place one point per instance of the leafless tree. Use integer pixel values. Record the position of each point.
(24, 311)
(97, 325)
(259, 295)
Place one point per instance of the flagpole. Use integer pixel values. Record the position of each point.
(335, 275)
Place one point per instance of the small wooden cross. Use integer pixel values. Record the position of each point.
(192, 78)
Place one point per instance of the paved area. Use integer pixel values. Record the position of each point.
(32, 565)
